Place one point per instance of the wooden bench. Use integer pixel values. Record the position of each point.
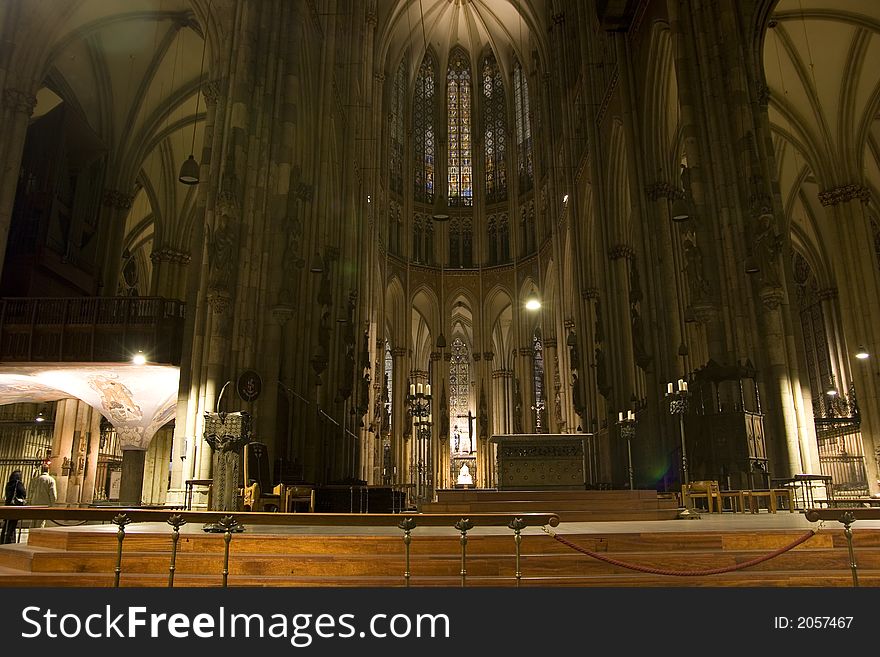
(773, 496)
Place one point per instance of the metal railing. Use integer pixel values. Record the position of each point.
(232, 523)
(846, 517)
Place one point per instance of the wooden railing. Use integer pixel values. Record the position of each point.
(90, 329)
(230, 523)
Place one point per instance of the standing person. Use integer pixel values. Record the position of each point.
(15, 496)
(43, 491)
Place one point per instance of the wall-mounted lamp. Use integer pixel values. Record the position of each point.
(317, 265)
(862, 353)
(751, 265)
(139, 358)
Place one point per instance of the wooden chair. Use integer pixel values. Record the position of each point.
(297, 496)
(707, 489)
(737, 500)
(259, 493)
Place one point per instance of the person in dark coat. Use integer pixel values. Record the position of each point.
(15, 496)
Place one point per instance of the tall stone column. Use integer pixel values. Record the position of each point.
(855, 268)
(115, 206)
(169, 273)
(15, 112)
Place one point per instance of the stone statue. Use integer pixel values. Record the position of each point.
(768, 246)
(220, 254)
(517, 408)
(693, 268)
(601, 374)
(464, 476)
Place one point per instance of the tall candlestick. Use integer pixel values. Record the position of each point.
(668, 388)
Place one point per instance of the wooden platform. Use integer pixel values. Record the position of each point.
(264, 556)
(570, 505)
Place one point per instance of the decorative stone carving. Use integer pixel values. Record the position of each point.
(171, 255)
(488, 355)
(844, 193)
(219, 302)
(662, 190)
(19, 101)
(621, 251)
(113, 198)
(483, 415)
(517, 408)
(212, 90)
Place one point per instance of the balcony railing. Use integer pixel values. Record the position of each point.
(91, 329)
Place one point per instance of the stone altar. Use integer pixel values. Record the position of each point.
(541, 461)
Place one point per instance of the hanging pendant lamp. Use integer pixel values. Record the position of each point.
(189, 170)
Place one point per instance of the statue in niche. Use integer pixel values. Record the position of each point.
(693, 268)
(464, 476)
(643, 358)
(768, 246)
(291, 259)
(220, 254)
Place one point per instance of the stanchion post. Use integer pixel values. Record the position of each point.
(463, 526)
(848, 519)
(517, 525)
(120, 520)
(229, 525)
(407, 525)
(176, 521)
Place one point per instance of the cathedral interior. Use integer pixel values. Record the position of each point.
(391, 231)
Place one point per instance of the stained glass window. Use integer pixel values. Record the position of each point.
(397, 109)
(460, 394)
(458, 117)
(494, 130)
(523, 129)
(424, 130)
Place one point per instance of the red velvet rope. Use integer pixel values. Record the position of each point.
(682, 573)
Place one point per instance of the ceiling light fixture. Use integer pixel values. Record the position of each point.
(189, 171)
(862, 353)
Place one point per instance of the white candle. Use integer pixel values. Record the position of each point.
(428, 389)
(684, 385)
(669, 388)
(419, 389)
(412, 389)
(620, 417)
(631, 415)
(681, 384)
(429, 418)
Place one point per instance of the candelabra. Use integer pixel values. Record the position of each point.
(677, 396)
(627, 427)
(419, 400)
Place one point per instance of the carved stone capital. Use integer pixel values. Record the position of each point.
(662, 190)
(568, 323)
(827, 293)
(213, 90)
(705, 312)
(19, 101)
(172, 255)
(763, 95)
(282, 313)
(550, 343)
(435, 355)
(488, 355)
(590, 293)
(219, 301)
(772, 297)
(398, 352)
(113, 198)
(502, 374)
(526, 351)
(621, 251)
(844, 193)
